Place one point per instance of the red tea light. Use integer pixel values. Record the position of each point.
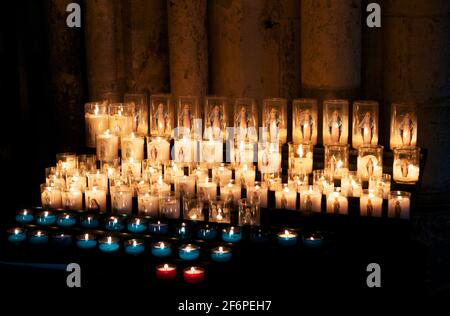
(166, 271)
(194, 275)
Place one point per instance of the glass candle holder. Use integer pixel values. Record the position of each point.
(50, 196)
(137, 225)
(370, 203)
(95, 199)
(193, 208)
(257, 194)
(121, 116)
(158, 148)
(286, 198)
(160, 187)
(245, 120)
(336, 160)
(287, 238)
(337, 203)
(140, 104)
(221, 254)
(189, 252)
(207, 232)
(107, 146)
(98, 179)
(132, 168)
(216, 118)
(194, 275)
(86, 163)
(148, 203)
(55, 177)
(45, 218)
(219, 211)
(96, 121)
(134, 246)
(311, 200)
(298, 180)
(269, 157)
(351, 184)
(249, 213)
(159, 228)
(151, 170)
(161, 249)
(111, 168)
(62, 239)
(275, 120)
(72, 197)
(370, 161)
(108, 244)
(206, 190)
(121, 200)
(114, 223)
(161, 115)
(335, 122)
(382, 185)
(132, 147)
(66, 161)
(16, 235)
(406, 165)
(184, 185)
(231, 234)
(365, 123)
(24, 216)
(66, 220)
(221, 174)
(189, 117)
(38, 237)
(89, 221)
(166, 271)
(86, 241)
(183, 150)
(231, 192)
(301, 157)
(323, 180)
(243, 152)
(403, 125)
(169, 206)
(76, 178)
(304, 122)
(399, 203)
(245, 175)
(211, 152)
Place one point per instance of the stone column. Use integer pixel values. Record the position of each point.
(188, 47)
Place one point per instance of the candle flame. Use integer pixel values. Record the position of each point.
(166, 266)
(134, 243)
(45, 214)
(86, 236)
(109, 240)
(220, 249)
(138, 221)
(193, 269)
(16, 231)
(161, 245)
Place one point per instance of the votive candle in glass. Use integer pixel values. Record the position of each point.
(24, 216)
(403, 125)
(370, 203)
(406, 165)
(161, 115)
(62, 239)
(370, 161)
(246, 119)
(121, 200)
(221, 174)
(132, 147)
(335, 122)
(336, 160)
(301, 157)
(337, 203)
(257, 193)
(207, 232)
(140, 118)
(45, 218)
(72, 197)
(304, 121)
(245, 175)
(275, 120)
(323, 181)
(89, 221)
(166, 271)
(169, 206)
(159, 227)
(219, 211)
(311, 200)
(158, 148)
(381, 184)
(249, 213)
(114, 223)
(38, 237)
(194, 275)
(216, 118)
(269, 157)
(231, 192)
(96, 121)
(137, 225)
(206, 190)
(399, 203)
(286, 198)
(107, 146)
(148, 203)
(365, 123)
(51, 196)
(121, 118)
(313, 240)
(184, 185)
(351, 184)
(66, 220)
(193, 208)
(95, 199)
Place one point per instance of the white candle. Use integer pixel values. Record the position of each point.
(172, 170)
(351, 185)
(286, 198)
(211, 151)
(148, 204)
(337, 203)
(206, 189)
(405, 172)
(98, 179)
(221, 174)
(131, 167)
(132, 147)
(169, 207)
(95, 199)
(184, 150)
(370, 204)
(158, 149)
(121, 124)
(185, 184)
(96, 123)
(258, 192)
(381, 185)
(269, 159)
(72, 198)
(399, 204)
(121, 200)
(310, 200)
(230, 192)
(160, 186)
(51, 196)
(369, 166)
(107, 146)
(245, 175)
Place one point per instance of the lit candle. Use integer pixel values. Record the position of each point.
(159, 228)
(337, 203)
(207, 232)
(95, 199)
(405, 172)
(51, 196)
(132, 147)
(137, 225)
(287, 238)
(161, 249)
(258, 193)
(382, 185)
(184, 185)
(269, 157)
(169, 206)
(66, 220)
(219, 211)
(96, 120)
(313, 240)
(189, 252)
(370, 204)
(114, 223)
(194, 275)
(301, 157)
(89, 221)
(121, 118)
(171, 170)
(245, 175)
(193, 208)
(24, 216)
(62, 239)
(166, 271)
(221, 174)
(86, 241)
(323, 181)
(183, 231)
(231, 234)
(206, 190)
(134, 247)
(231, 192)
(351, 184)
(131, 167)
(98, 179)
(221, 254)
(211, 152)
(16, 234)
(310, 200)
(107, 146)
(184, 150)
(399, 204)
(121, 200)
(45, 218)
(72, 198)
(148, 204)
(108, 244)
(38, 237)
(158, 149)
(286, 198)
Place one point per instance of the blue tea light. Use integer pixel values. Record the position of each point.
(231, 234)
(66, 220)
(62, 239)
(313, 240)
(108, 244)
(221, 254)
(24, 216)
(46, 218)
(134, 247)
(183, 231)
(89, 221)
(207, 233)
(161, 249)
(16, 235)
(114, 223)
(159, 228)
(287, 238)
(137, 225)
(189, 252)
(86, 241)
(259, 235)
(38, 237)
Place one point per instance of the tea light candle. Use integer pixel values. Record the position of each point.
(221, 254)
(245, 175)
(86, 241)
(161, 249)
(62, 239)
(337, 203)
(137, 225)
(114, 223)
(107, 146)
(158, 149)
(24, 216)
(45, 218)
(182, 231)
(132, 147)
(134, 247)
(89, 221)
(310, 200)
(16, 234)
(370, 204)
(66, 220)
(286, 198)
(231, 234)
(313, 240)
(159, 228)
(221, 174)
(231, 192)
(166, 271)
(206, 190)
(207, 232)
(108, 244)
(258, 192)
(95, 199)
(399, 204)
(287, 238)
(38, 237)
(148, 204)
(194, 275)
(189, 252)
